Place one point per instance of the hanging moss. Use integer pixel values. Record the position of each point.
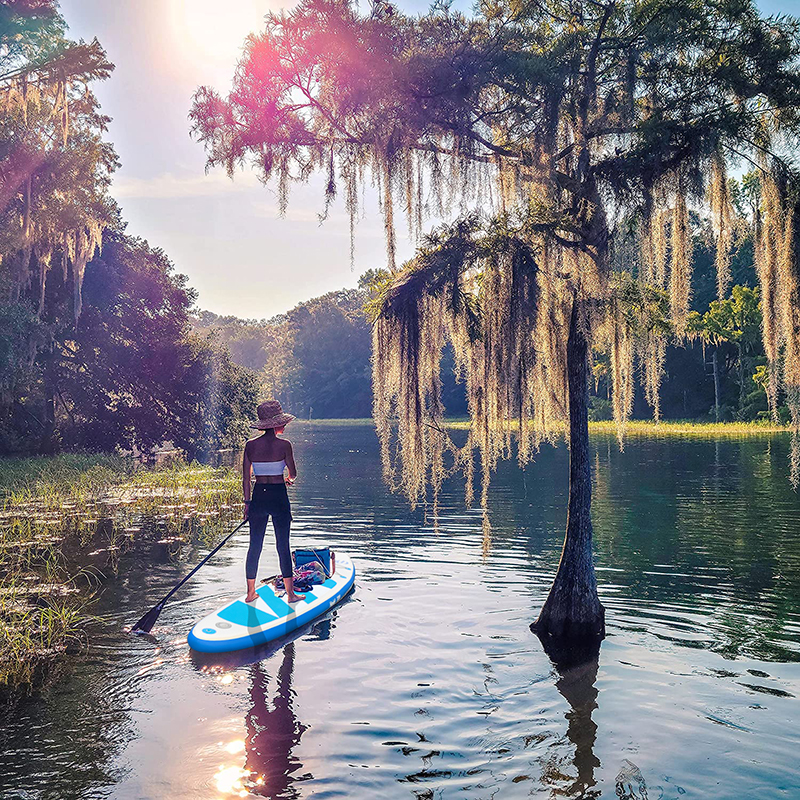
(621, 369)
(500, 302)
(680, 261)
(789, 276)
(769, 226)
(70, 213)
(722, 215)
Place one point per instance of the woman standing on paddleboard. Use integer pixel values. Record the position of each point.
(268, 456)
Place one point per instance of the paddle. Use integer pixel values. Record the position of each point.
(145, 624)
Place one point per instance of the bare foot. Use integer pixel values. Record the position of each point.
(295, 598)
(250, 598)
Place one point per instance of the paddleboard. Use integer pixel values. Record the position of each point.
(238, 625)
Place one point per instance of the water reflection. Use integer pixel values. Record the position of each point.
(576, 683)
(273, 732)
(433, 686)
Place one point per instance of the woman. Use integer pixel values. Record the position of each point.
(268, 457)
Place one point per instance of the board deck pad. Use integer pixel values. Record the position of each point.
(238, 625)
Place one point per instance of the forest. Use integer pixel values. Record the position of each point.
(97, 351)
(104, 348)
(316, 358)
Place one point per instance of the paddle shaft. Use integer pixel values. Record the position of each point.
(186, 578)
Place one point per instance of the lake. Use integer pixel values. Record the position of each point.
(426, 682)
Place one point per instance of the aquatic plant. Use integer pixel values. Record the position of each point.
(65, 522)
(42, 615)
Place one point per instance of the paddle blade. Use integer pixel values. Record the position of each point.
(145, 624)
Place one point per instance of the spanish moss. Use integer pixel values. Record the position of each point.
(680, 266)
(721, 209)
(789, 275)
(769, 235)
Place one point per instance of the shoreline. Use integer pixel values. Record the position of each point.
(65, 521)
(606, 427)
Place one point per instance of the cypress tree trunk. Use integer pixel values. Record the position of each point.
(716, 384)
(572, 615)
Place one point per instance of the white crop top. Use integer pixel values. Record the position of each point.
(261, 468)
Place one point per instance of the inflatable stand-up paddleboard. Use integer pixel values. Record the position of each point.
(238, 625)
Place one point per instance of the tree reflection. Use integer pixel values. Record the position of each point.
(577, 671)
(273, 732)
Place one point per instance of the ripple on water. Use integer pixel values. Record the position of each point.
(427, 683)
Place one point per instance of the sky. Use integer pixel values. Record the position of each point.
(225, 235)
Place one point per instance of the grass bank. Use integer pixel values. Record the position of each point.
(687, 428)
(65, 521)
(333, 423)
(633, 428)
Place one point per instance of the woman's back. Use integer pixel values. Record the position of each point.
(266, 448)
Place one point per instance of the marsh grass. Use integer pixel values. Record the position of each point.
(648, 428)
(632, 428)
(333, 422)
(69, 471)
(65, 521)
(34, 633)
(703, 430)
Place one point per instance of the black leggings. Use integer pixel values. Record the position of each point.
(269, 499)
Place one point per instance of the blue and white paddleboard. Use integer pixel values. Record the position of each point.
(238, 625)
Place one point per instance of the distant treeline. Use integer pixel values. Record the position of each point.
(316, 358)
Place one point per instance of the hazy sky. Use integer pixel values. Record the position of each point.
(225, 235)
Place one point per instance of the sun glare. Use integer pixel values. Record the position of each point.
(209, 34)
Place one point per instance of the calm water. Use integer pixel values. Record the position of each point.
(426, 682)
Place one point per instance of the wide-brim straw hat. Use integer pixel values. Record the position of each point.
(270, 415)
